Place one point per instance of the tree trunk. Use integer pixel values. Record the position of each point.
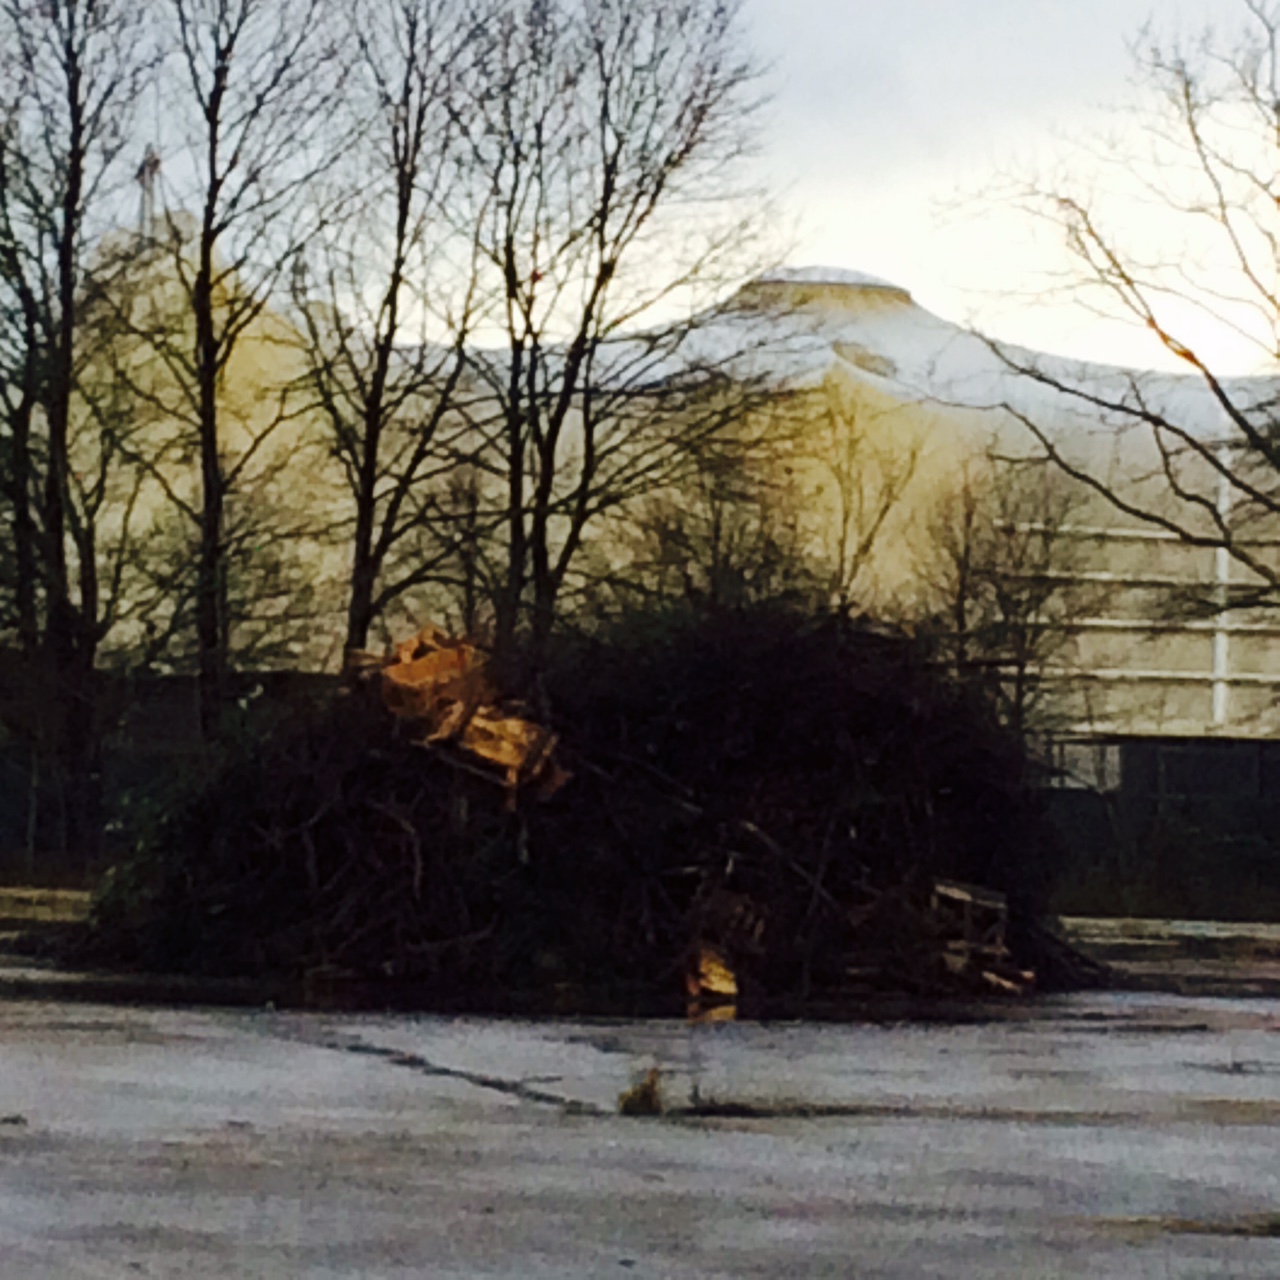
(507, 605)
(25, 550)
(68, 631)
(363, 575)
(210, 572)
(365, 559)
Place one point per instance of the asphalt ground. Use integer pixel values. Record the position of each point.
(1127, 1135)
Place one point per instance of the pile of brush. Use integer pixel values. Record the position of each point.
(758, 800)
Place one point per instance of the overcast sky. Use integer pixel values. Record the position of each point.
(886, 110)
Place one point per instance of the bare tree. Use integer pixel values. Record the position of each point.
(604, 141)
(1179, 234)
(24, 328)
(70, 74)
(730, 532)
(252, 83)
(861, 481)
(387, 308)
(1007, 583)
(788, 503)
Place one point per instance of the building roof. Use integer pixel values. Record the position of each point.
(826, 318)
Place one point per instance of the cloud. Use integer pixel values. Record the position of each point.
(900, 81)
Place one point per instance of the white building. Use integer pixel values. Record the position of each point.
(1142, 662)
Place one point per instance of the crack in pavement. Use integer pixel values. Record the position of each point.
(521, 1089)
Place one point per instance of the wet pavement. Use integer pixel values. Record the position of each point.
(1123, 1135)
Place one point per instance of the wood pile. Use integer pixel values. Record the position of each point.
(778, 820)
(973, 923)
(441, 686)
